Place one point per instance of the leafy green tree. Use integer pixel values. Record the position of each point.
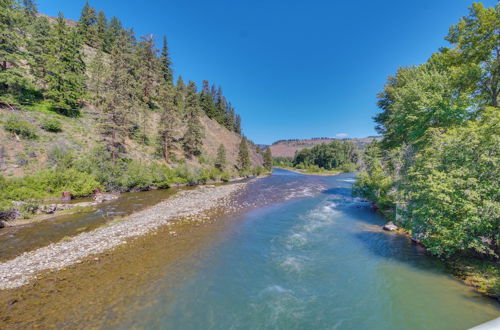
(166, 63)
(328, 156)
(193, 138)
(220, 160)
(65, 68)
(452, 192)
(244, 161)
(268, 159)
(416, 99)
(477, 41)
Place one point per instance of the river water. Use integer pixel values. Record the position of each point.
(309, 256)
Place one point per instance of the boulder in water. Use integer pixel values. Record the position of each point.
(390, 226)
(101, 198)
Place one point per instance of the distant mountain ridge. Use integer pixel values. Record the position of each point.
(288, 148)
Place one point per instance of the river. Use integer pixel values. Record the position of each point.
(300, 253)
(311, 257)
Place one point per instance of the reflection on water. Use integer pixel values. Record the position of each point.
(16, 240)
(310, 257)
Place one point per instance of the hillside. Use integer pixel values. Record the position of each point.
(19, 156)
(88, 105)
(288, 148)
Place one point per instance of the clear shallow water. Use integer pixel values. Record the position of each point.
(311, 257)
(18, 239)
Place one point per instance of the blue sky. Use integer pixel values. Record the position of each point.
(292, 69)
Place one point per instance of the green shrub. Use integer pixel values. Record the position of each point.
(51, 125)
(45, 184)
(20, 127)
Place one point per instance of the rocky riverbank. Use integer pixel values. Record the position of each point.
(24, 268)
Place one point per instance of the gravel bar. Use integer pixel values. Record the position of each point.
(23, 269)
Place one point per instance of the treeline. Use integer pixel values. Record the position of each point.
(44, 60)
(336, 155)
(436, 171)
(298, 140)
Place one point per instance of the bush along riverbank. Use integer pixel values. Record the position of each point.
(25, 197)
(435, 171)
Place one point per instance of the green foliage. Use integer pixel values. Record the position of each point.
(65, 69)
(18, 126)
(328, 156)
(51, 125)
(244, 161)
(166, 64)
(13, 83)
(452, 191)
(220, 160)
(268, 159)
(282, 162)
(193, 138)
(439, 171)
(45, 184)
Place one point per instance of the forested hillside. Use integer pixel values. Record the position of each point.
(437, 169)
(288, 148)
(88, 104)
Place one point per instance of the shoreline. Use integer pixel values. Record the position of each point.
(190, 204)
(78, 207)
(472, 272)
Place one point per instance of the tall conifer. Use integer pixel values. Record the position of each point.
(193, 138)
(166, 63)
(66, 69)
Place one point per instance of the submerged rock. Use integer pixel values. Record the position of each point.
(390, 226)
(101, 198)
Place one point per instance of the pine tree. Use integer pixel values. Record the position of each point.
(237, 124)
(230, 115)
(30, 9)
(220, 160)
(38, 43)
(101, 28)
(243, 156)
(66, 69)
(207, 102)
(113, 32)
(169, 121)
(12, 80)
(118, 99)
(268, 159)
(147, 70)
(180, 95)
(97, 79)
(193, 138)
(166, 63)
(87, 25)
(221, 106)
